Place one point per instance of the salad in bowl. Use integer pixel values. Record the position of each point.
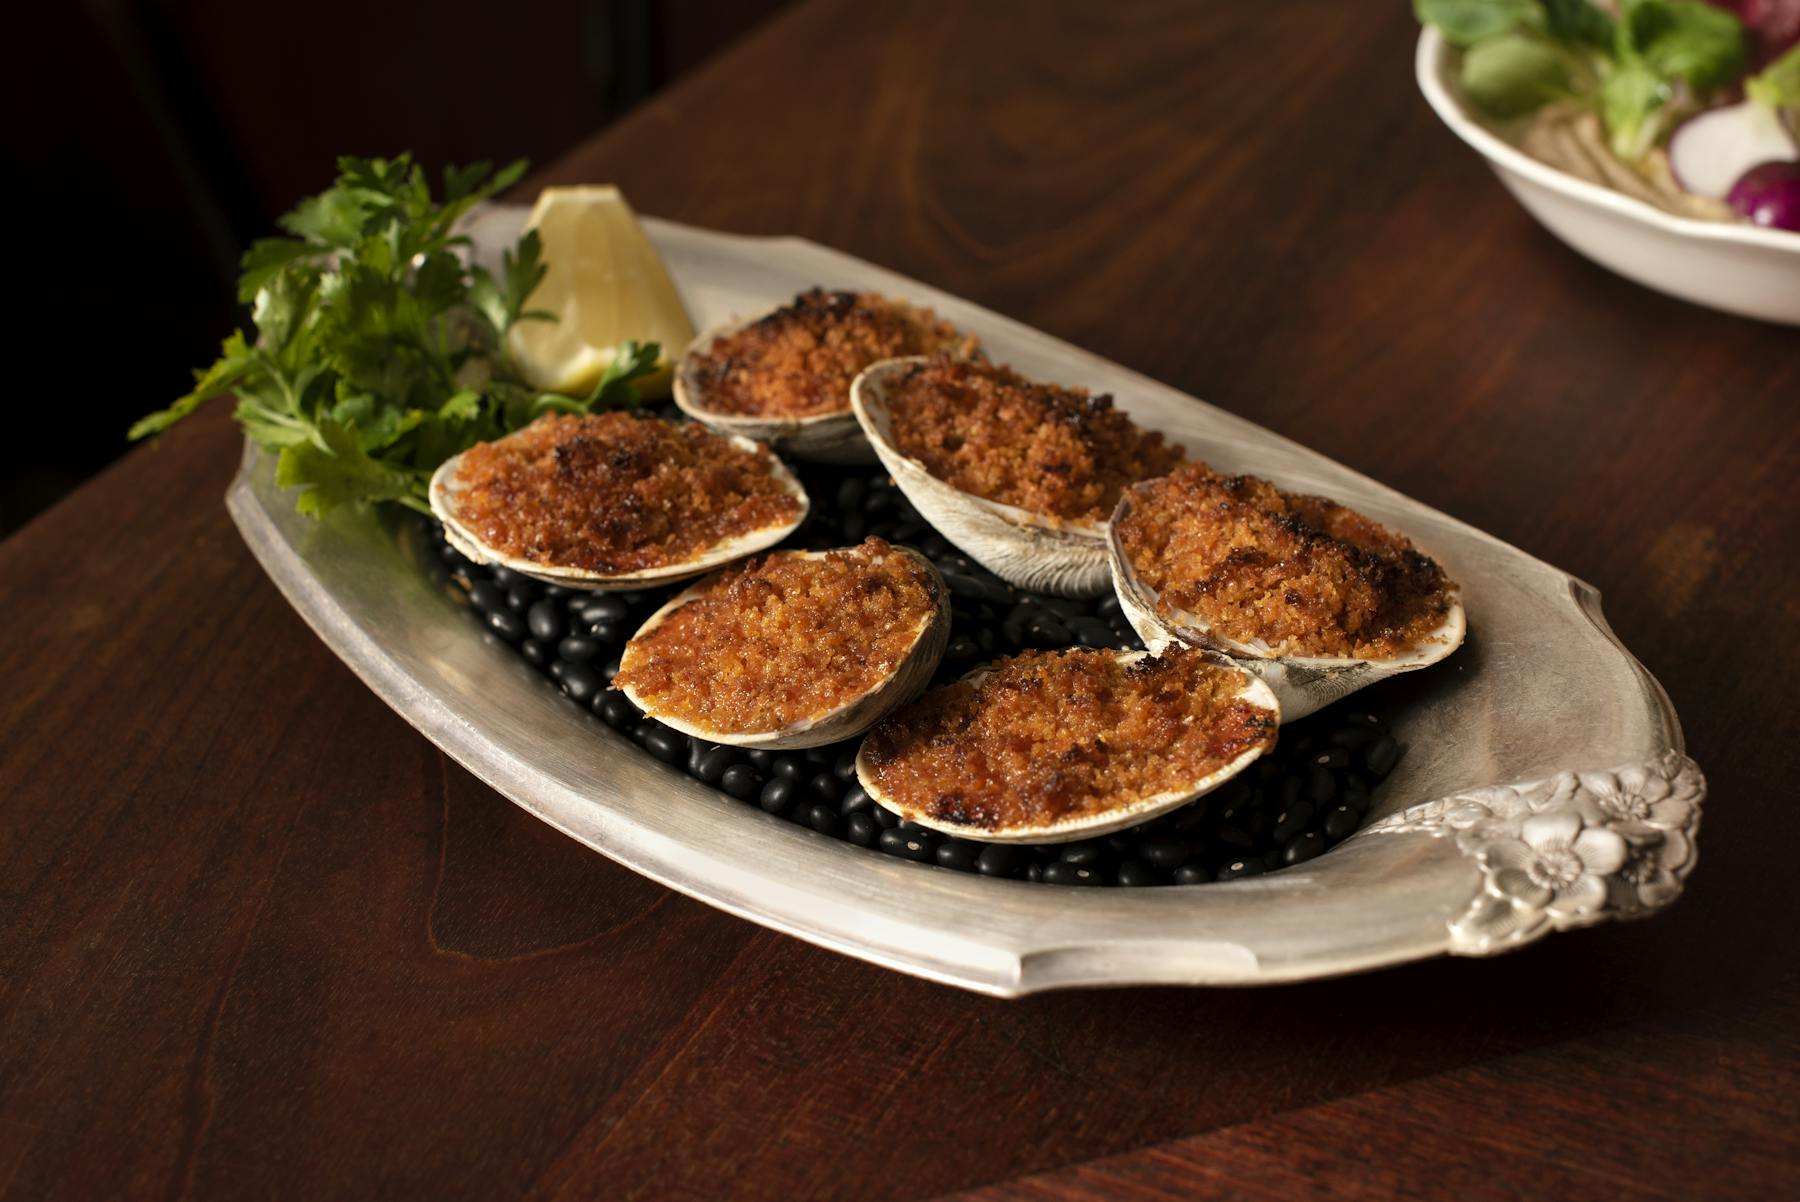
(1657, 137)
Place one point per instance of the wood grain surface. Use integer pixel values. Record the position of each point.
(260, 940)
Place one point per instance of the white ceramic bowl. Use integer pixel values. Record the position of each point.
(1743, 269)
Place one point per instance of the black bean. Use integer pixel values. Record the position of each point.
(820, 755)
(1108, 606)
(641, 730)
(1088, 851)
(741, 781)
(607, 634)
(825, 820)
(1240, 868)
(556, 669)
(998, 859)
(577, 649)
(1321, 786)
(507, 625)
(713, 764)
(855, 798)
(1034, 871)
(1365, 718)
(1380, 756)
(609, 669)
(1165, 852)
(961, 649)
(886, 818)
(1092, 632)
(536, 653)
(962, 587)
(616, 709)
(545, 620)
(1292, 821)
(827, 787)
(1234, 837)
(1332, 758)
(580, 682)
(504, 577)
(1134, 874)
(1192, 874)
(851, 492)
(521, 597)
(777, 795)
(789, 767)
(862, 829)
(1353, 738)
(853, 528)
(1061, 873)
(487, 596)
(606, 607)
(908, 530)
(1341, 821)
(959, 854)
(844, 767)
(760, 758)
(669, 746)
(456, 561)
(1047, 631)
(916, 844)
(1289, 792)
(1303, 848)
(984, 638)
(880, 500)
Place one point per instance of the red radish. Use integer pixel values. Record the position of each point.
(1769, 194)
(1711, 150)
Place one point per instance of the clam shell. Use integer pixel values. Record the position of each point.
(1302, 683)
(820, 438)
(443, 499)
(1035, 552)
(852, 718)
(1068, 831)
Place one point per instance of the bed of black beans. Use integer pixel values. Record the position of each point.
(1293, 804)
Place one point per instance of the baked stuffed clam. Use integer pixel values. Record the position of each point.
(783, 377)
(1020, 475)
(1054, 746)
(1314, 598)
(792, 649)
(614, 501)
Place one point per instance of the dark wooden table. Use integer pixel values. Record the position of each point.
(258, 939)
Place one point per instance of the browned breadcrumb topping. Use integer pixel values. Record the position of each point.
(799, 360)
(1053, 736)
(989, 431)
(783, 639)
(1303, 574)
(612, 493)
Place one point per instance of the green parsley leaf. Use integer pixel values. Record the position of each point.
(378, 352)
(1465, 22)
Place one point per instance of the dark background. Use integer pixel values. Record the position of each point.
(148, 141)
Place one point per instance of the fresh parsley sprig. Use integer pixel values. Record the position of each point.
(380, 349)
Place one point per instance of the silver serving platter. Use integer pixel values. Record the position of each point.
(1543, 784)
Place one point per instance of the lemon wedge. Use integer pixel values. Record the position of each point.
(606, 284)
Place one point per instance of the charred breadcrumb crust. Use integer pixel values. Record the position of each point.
(1050, 736)
(615, 493)
(1303, 574)
(799, 360)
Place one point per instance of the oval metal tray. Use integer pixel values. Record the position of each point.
(1543, 785)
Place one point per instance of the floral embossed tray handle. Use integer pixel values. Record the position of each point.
(1568, 851)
